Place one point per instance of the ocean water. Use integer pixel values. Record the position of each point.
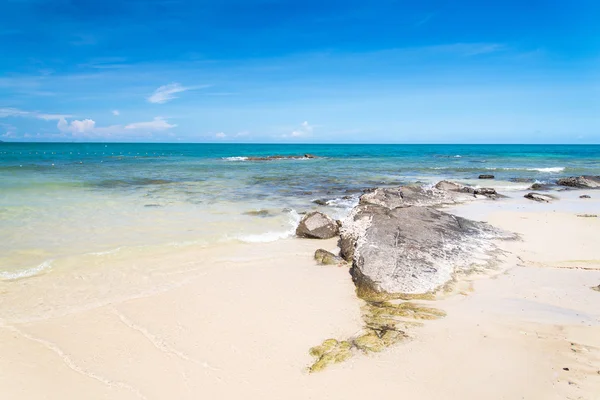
(93, 201)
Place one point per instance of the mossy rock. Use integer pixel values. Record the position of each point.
(325, 257)
(404, 309)
(330, 352)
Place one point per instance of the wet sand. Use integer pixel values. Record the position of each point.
(237, 321)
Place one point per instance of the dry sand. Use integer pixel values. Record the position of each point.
(237, 322)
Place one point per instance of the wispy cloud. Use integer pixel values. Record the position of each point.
(116, 112)
(15, 112)
(220, 135)
(167, 93)
(425, 19)
(304, 130)
(157, 124)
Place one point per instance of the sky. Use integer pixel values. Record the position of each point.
(326, 71)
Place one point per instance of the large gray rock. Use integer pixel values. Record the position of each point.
(410, 251)
(316, 225)
(408, 196)
(584, 182)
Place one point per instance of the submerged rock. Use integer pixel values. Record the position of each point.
(539, 197)
(412, 251)
(486, 176)
(539, 186)
(258, 213)
(325, 257)
(316, 225)
(587, 182)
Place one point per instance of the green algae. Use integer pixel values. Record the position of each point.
(385, 324)
(330, 352)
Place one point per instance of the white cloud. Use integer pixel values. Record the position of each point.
(305, 129)
(116, 112)
(157, 124)
(220, 135)
(76, 126)
(15, 112)
(166, 93)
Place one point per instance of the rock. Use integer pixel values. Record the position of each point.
(316, 225)
(279, 157)
(454, 187)
(539, 186)
(588, 182)
(489, 192)
(325, 257)
(587, 215)
(521, 180)
(486, 176)
(320, 202)
(408, 196)
(539, 197)
(258, 213)
(410, 251)
(309, 156)
(597, 289)
(585, 196)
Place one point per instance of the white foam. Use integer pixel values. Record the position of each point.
(26, 273)
(235, 158)
(272, 236)
(549, 170)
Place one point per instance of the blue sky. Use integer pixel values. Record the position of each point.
(378, 71)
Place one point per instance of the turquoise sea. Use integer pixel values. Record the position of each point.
(58, 200)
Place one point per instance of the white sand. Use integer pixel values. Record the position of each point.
(237, 322)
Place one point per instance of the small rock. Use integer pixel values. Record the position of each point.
(486, 176)
(258, 213)
(587, 215)
(565, 369)
(309, 156)
(325, 257)
(597, 289)
(316, 225)
(539, 186)
(320, 202)
(585, 196)
(538, 197)
(486, 192)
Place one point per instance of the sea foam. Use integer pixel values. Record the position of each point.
(26, 273)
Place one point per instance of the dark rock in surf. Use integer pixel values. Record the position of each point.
(585, 196)
(316, 225)
(542, 198)
(486, 176)
(581, 182)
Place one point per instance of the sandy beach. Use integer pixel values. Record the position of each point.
(237, 321)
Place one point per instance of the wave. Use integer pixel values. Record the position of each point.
(26, 273)
(272, 236)
(235, 158)
(547, 169)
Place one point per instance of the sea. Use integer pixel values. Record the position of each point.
(91, 201)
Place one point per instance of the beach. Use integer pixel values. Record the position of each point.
(153, 279)
(238, 320)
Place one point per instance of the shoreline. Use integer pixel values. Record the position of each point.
(238, 320)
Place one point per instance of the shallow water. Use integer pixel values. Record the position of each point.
(62, 200)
